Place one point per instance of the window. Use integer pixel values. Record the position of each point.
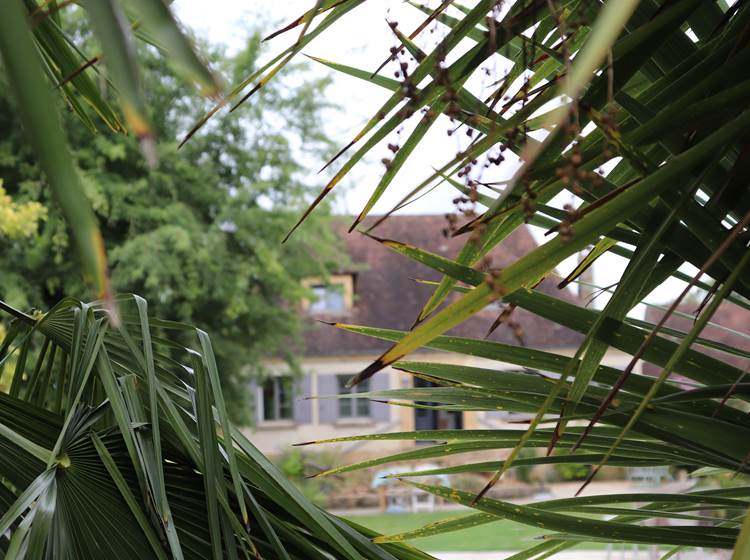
(353, 408)
(328, 299)
(277, 399)
(334, 295)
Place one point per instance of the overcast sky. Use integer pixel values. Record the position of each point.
(362, 39)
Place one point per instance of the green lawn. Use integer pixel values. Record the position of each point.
(500, 535)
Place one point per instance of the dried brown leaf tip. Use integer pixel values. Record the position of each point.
(566, 225)
(492, 279)
(452, 225)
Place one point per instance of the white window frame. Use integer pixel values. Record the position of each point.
(361, 388)
(345, 281)
(262, 421)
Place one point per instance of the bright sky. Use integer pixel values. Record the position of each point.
(362, 39)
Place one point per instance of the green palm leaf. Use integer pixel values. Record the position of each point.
(671, 106)
(140, 460)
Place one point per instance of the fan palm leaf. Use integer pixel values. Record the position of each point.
(115, 443)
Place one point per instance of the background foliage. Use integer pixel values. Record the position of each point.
(199, 235)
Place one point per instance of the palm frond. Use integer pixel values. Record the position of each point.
(116, 444)
(655, 91)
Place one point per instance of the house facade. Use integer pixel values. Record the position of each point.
(378, 289)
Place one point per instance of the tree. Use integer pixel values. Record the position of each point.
(640, 110)
(199, 235)
(18, 220)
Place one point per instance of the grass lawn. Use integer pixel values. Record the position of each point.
(499, 535)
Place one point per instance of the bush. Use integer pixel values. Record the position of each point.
(297, 465)
(523, 473)
(572, 471)
(292, 464)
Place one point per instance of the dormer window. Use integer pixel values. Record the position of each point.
(327, 299)
(331, 296)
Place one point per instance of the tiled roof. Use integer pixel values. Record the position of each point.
(728, 315)
(385, 294)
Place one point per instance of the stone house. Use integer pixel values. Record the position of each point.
(378, 289)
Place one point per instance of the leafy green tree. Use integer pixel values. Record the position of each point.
(18, 220)
(199, 235)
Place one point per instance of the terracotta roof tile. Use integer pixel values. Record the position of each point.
(729, 315)
(386, 296)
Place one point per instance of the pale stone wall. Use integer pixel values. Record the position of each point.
(274, 438)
